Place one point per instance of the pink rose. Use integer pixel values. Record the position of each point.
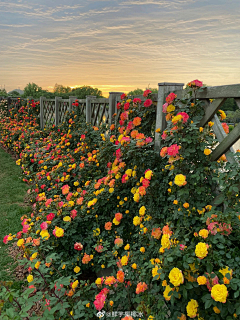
(164, 107)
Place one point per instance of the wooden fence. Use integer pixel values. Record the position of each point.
(101, 110)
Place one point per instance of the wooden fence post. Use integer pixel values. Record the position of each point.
(57, 99)
(163, 89)
(112, 106)
(41, 113)
(89, 108)
(71, 100)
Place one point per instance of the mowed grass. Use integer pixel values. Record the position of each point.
(12, 193)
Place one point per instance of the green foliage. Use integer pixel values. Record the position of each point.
(14, 94)
(233, 116)
(229, 105)
(82, 92)
(3, 93)
(59, 89)
(102, 198)
(138, 92)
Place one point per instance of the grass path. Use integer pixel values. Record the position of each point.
(12, 207)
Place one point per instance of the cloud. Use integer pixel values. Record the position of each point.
(123, 44)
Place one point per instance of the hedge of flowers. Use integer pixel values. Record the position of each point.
(118, 230)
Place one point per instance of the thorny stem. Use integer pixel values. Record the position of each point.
(53, 292)
(15, 300)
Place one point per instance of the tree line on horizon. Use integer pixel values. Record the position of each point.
(35, 91)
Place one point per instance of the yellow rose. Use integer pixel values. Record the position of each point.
(201, 280)
(170, 108)
(76, 269)
(192, 308)
(44, 234)
(124, 260)
(155, 272)
(127, 247)
(75, 284)
(37, 264)
(203, 233)
(30, 278)
(136, 197)
(116, 222)
(136, 221)
(34, 256)
(180, 180)
(20, 242)
(165, 242)
(134, 266)
(226, 270)
(142, 249)
(201, 250)
(210, 124)
(67, 219)
(148, 174)
(176, 277)
(166, 292)
(59, 232)
(176, 119)
(142, 211)
(207, 152)
(216, 310)
(98, 281)
(219, 293)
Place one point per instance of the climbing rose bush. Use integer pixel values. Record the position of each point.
(117, 227)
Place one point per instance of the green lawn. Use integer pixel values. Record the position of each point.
(12, 207)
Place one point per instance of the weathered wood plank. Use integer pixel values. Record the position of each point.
(228, 91)
(96, 114)
(238, 102)
(210, 111)
(99, 100)
(221, 135)
(225, 145)
(163, 89)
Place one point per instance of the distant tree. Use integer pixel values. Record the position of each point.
(14, 93)
(3, 93)
(139, 92)
(82, 92)
(136, 92)
(60, 89)
(154, 90)
(47, 94)
(229, 105)
(233, 116)
(32, 90)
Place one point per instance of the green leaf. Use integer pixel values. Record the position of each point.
(208, 303)
(209, 268)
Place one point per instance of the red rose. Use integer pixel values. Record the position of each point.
(78, 246)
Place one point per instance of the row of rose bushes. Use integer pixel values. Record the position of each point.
(118, 230)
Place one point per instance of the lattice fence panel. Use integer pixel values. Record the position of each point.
(63, 108)
(81, 109)
(100, 113)
(49, 112)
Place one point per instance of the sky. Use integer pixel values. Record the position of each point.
(118, 46)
